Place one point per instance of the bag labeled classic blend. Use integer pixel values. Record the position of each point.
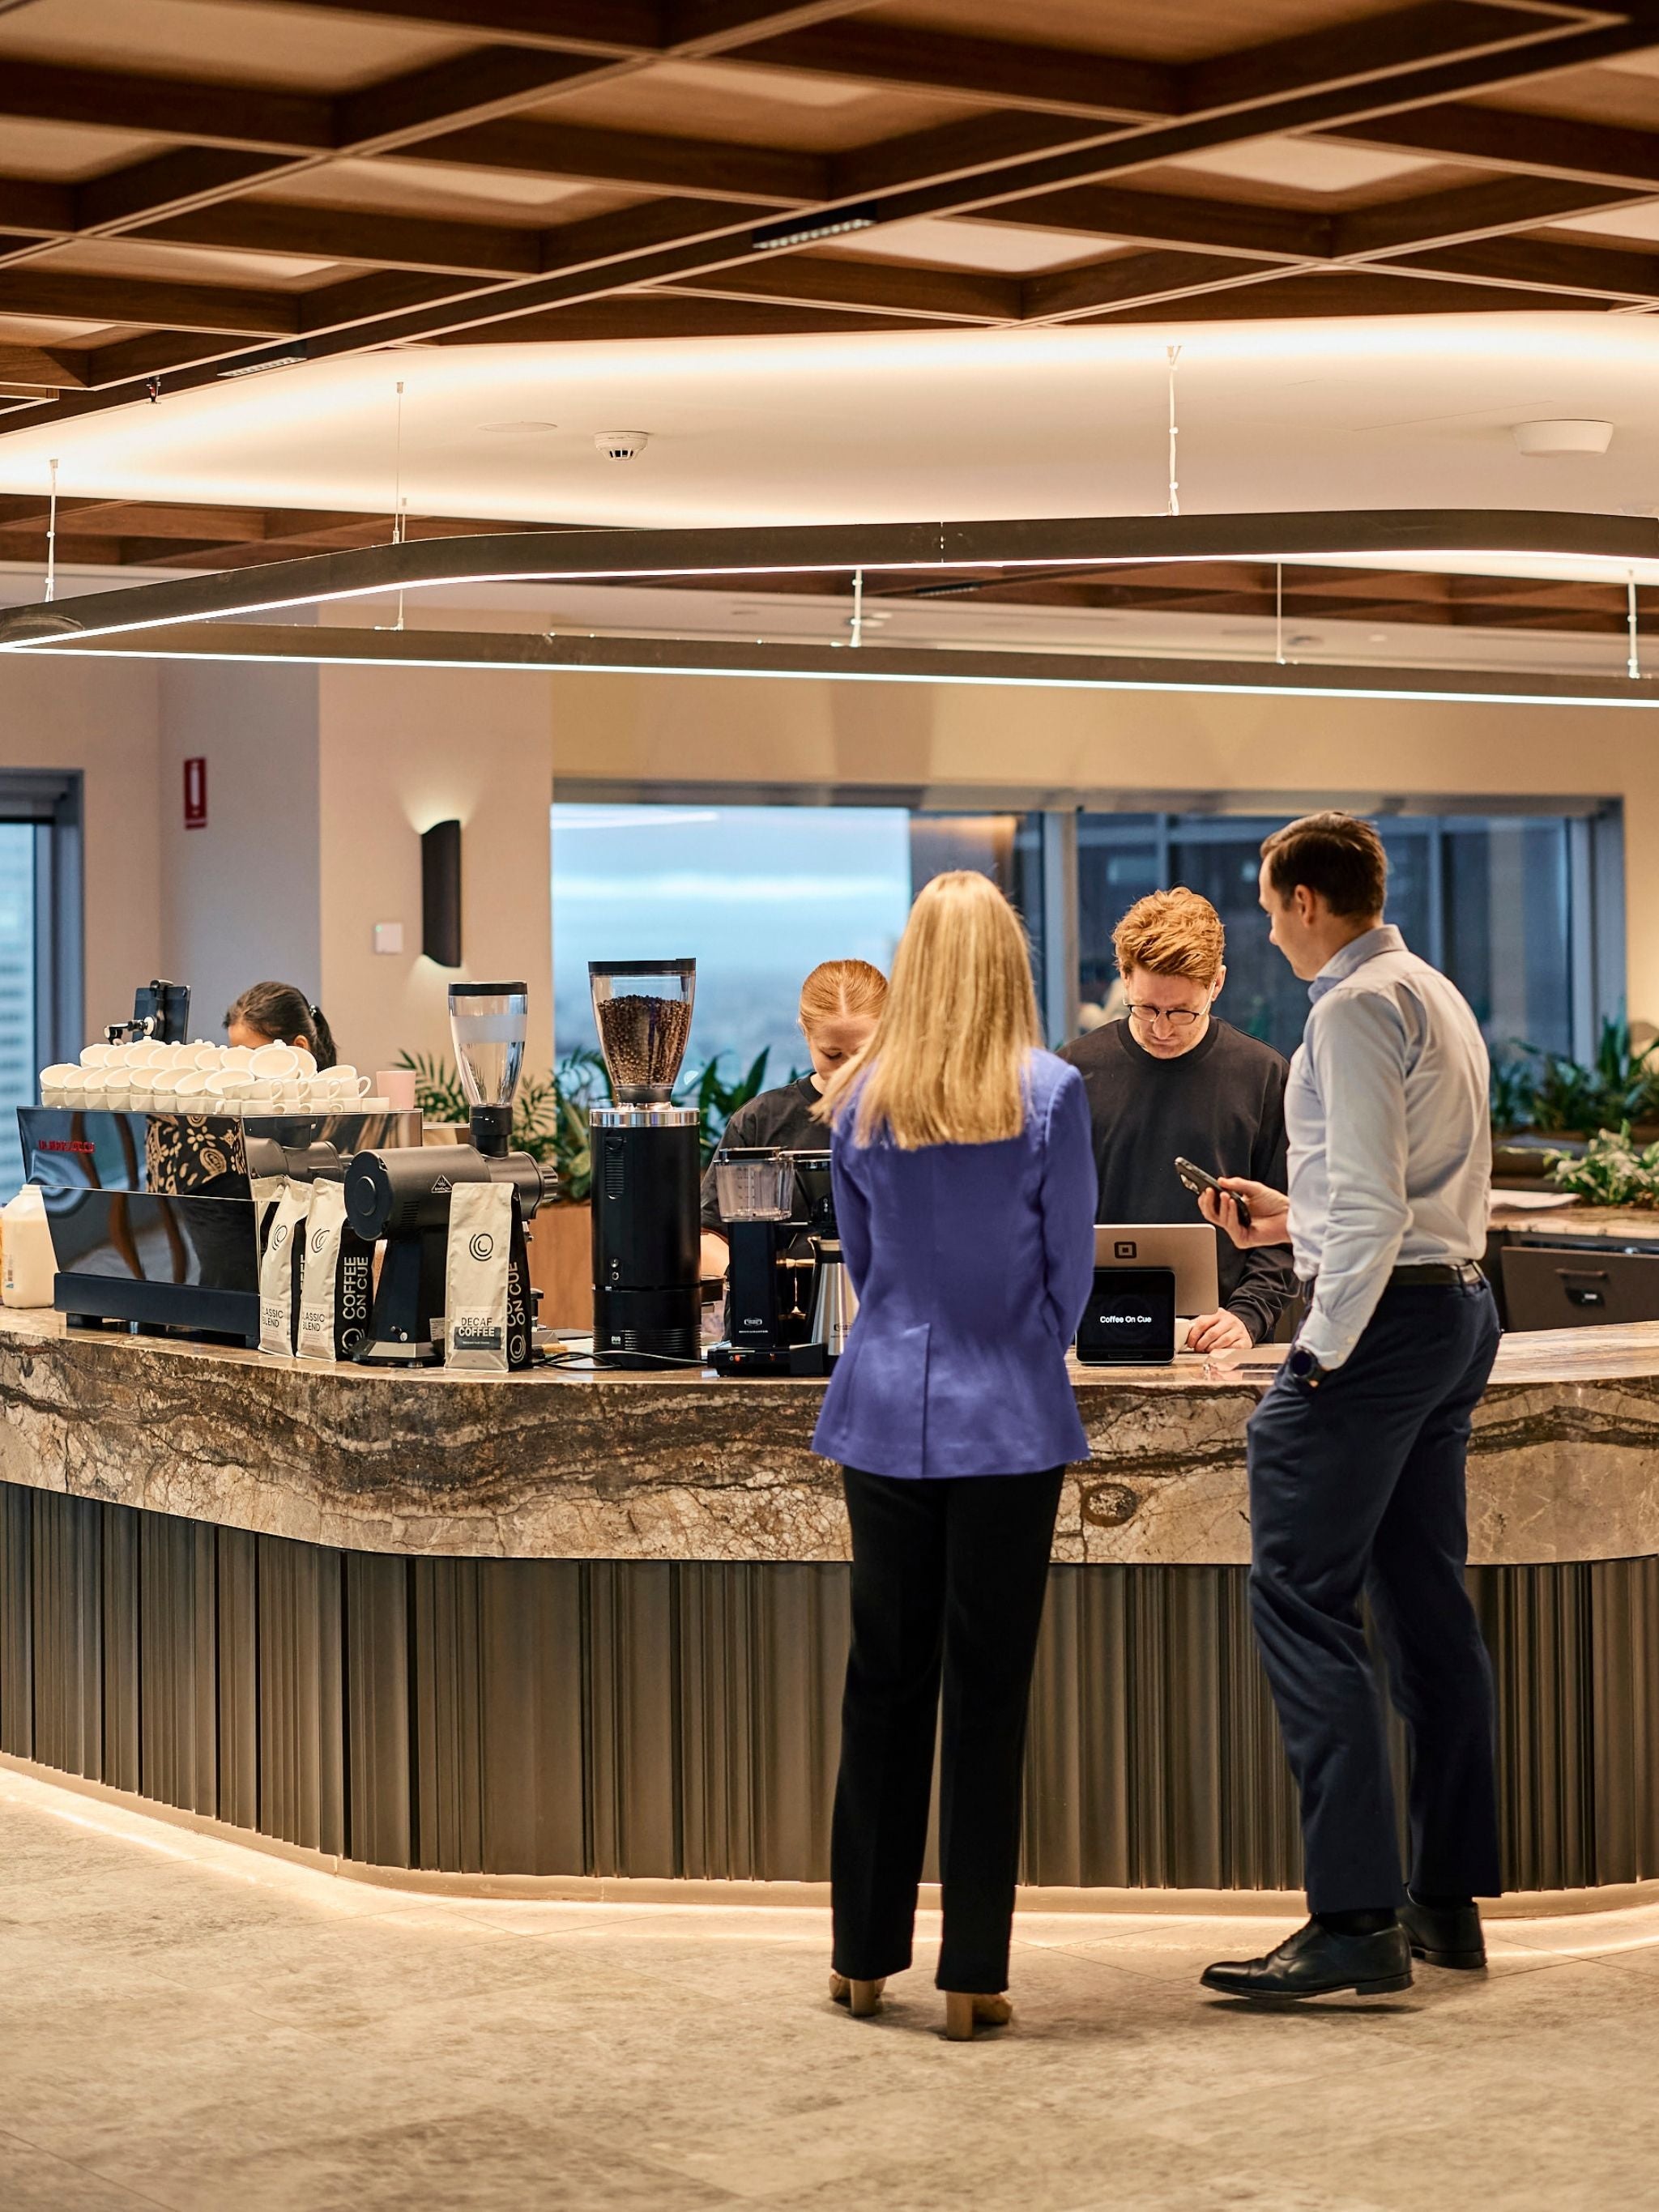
(475, 1314)
(336, 1279)
(279, 1279)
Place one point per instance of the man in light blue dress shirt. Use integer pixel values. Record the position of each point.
(1357, 1453)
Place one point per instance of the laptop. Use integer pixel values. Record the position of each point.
(1187, 1247)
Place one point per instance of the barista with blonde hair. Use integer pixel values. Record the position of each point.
(839, 1003)
(964, 1191)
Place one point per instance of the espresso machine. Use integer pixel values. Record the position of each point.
(768, 1282)
(648, 1167)
(403, 1194)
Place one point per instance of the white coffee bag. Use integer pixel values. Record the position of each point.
(480, 1250)
(336, 1279)
(278, 1277)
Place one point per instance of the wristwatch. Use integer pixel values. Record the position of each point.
(1302, 1365)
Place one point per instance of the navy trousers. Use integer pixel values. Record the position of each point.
(1357, 1487)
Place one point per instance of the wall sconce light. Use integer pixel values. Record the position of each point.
(441, 893)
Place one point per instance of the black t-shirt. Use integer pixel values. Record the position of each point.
(782, 1118)
(1222, 1106)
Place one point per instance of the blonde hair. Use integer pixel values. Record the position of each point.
(946, 1064)
(1174, 933)
(837, 987)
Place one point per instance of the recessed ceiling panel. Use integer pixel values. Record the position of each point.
(963, 244)
(798, 109)
(66, 153)
(234, 45)
(1147, 30)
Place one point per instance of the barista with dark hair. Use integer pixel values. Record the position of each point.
(280, 1013)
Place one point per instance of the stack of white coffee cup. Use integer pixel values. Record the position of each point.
(206, 1078)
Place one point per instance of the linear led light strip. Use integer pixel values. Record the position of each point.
(838, 549)
(1242, 687)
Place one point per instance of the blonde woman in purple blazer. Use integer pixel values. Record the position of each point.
(964, 1185)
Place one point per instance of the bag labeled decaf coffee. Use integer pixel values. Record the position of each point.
(278, 1279)
(335, 1278)
(480, 1253)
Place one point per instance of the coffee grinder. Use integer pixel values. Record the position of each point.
(767, 1283)
(403, 1194)
(648, 1167)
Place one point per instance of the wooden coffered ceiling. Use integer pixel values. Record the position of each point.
(187, 185)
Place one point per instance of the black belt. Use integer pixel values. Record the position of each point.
(1466, 1272)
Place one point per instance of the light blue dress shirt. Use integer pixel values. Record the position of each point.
(1390, 1131)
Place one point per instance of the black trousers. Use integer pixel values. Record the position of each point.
(948, 1582)
(1356, 1487)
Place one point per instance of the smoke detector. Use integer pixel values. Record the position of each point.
(1540, 439)
(622, 445)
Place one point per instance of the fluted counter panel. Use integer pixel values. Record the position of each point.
(551, 1627)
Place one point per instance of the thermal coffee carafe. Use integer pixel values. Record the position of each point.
(834, 1302)
(647, 1166)
(768, 1286)
(403, 1194)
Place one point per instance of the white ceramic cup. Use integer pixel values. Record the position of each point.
(237, 1055)
(374, 1105)
(191, 1090)
(349, 1086)
(205, 1059)
(275, 1061)
(95, 1055)
(261, 1090)
(229, 1083)
(164, 1087)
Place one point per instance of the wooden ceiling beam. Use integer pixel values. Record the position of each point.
(1135, 280)
(474, 88)
(53, 368)
(1366, 50)
(185, 108)
(1467, 212)
(1547, 265)
(616, 27)
(43, 290)
(577, 154)
(1516, 140)
(396, 242)
(1266, 233)
(930, 294)
(997, 72)
(667, 312)
(1287, 295)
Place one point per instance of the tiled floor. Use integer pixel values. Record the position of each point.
(185, 2023)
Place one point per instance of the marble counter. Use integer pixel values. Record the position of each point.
(1632, 1225)
(549, 1466)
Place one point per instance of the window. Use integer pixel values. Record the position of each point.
(1505, 904)
(758, 896)
(39, 944)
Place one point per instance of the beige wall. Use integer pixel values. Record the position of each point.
(100, 717)
(400, 749)
(239, 898)
(1283, 749)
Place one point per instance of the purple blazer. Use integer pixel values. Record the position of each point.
(973, 1264)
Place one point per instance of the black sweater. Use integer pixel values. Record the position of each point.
(782, 1117)
(1222, 1106)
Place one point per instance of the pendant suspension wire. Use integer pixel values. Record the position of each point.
(1172, 354)
(1279, 612)
(857, 639)
(399, 504)
(1632, 664)
(52, 535)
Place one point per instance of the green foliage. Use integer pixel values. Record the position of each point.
(1613, 1171)
(1554, 1094)
(549, 1114)
(717, 1101)
(438, 1091)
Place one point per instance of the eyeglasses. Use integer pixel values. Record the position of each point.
(1178, 1018)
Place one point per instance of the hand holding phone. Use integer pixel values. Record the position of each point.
(1199, 1180)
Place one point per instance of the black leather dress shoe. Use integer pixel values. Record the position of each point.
(1444, 1935)
(1316, 1962)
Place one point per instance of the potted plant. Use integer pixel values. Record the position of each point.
(1612, 1169)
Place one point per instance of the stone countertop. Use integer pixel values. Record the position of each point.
(549, 1465)
(1632, 1225)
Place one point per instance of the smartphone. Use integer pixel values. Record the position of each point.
(1197, 1179)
